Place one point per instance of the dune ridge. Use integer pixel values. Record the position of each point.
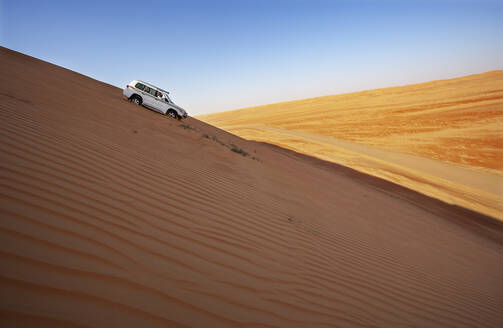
(113, 215)
(442, 138)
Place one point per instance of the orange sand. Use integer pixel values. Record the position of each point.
(115, 216)
(441, 138)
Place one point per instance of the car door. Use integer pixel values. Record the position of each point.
(159, 103)
(148, 99)
(140, 89)
(155, 104)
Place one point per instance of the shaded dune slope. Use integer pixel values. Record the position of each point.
(113, 215)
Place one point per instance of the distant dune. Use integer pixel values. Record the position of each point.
(442, 138)
(115, 216)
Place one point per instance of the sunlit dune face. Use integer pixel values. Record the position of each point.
(456, 124)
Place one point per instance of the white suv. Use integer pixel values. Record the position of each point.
(150, 96)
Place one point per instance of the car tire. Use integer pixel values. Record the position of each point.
(172, 113)
(135, 100)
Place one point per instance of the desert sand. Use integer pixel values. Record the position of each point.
(441, 138)
(115, 216)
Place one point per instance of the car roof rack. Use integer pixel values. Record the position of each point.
(151, 85)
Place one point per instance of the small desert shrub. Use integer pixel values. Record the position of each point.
(186, 126)
(232, 147)
(219, 141)
(238, 150)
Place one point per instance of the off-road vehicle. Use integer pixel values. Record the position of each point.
(155, 98)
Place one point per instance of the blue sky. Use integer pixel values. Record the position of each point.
(221, 55)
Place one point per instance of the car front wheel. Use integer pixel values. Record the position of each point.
(172, 113)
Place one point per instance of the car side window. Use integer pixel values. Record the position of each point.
(153, 92)
(140, 86)
(147, 89)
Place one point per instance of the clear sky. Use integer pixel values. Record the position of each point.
(221, 55)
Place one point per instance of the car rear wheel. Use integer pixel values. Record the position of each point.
(135, 100)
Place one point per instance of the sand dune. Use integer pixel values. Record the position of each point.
(442, 138)
(115, 216)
